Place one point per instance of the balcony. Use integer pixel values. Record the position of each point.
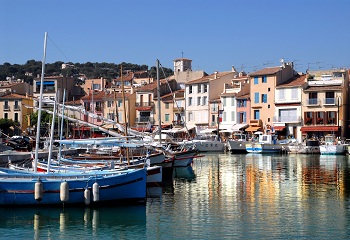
(178, 110)
(320, 121)
(145, 120)
(7, 108)
(329, 101)
(287, 119)
(312, 102)
(17, 108)
(142, 106)
(178, 123)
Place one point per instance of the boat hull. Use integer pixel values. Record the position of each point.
(237, 146)
(19, 189)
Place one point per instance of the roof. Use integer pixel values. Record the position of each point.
(245, 90)
(101, 95)
(208, 78)
(13, 96)
(296, 81)
(266, 71)
(323, 88)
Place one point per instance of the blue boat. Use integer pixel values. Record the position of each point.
(90, 188)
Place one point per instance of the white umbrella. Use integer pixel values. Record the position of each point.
(259, 133)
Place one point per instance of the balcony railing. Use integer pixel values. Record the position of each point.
(144, 104)
(288, 119)
(179, 123)
(312, 102)
(145, 120)
(329, 101)
(7, 108)
(320, 121)
(17, 108)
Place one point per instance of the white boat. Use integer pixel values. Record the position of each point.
(205, 143)
(267, 143)
(332, 146)
(238, 143)
(310, 146)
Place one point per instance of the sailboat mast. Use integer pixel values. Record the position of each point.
(37, 139)
(158, 98)
(124, 107)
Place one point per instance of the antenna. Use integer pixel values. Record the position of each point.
(267, 63)
(182, 54)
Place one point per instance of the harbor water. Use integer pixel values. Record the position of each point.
(222, 196)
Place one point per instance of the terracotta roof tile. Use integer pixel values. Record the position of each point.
(13, 96)
(323, 88)
(296, 81)
(266, 71)
(208, 78)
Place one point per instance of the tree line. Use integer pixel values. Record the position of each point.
(31, 69)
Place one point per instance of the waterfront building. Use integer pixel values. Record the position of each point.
(232, 120)
(262, 89)
(199, 93)
(325, 103)
(15, 106)
(287, 120)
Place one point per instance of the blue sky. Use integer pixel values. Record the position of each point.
(215, 34)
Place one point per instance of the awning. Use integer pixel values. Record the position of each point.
(253, 128)
(237, 127)
(279, 128)
(226, 131)
(319, 129)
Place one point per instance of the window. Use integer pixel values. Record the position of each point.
(199, 88)
(190, 89)
(224, 116)
(6, 105)
(6, 115)
(167, 117)
(330, 98)
(224, 101)
(190, 101)
(16, 105)
(16, 117)
(233, 116)
(256, 97)
(268, 89)
(294, 93)
(166, 105)
(109, 103)
(96, 86)
(264, 79)
(232, 102)
(198, 101)
(205, 100)
(213, 117)
(205, 88)
(110, 116)
(120, 103)
(190, 116)
(264, 98)
(287, 115)
(256, 80)
(256, 114)
(281, 94)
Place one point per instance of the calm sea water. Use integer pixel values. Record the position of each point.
(222, 196)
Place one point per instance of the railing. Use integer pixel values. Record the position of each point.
(312, 102)
(179, 123)
(144, 104)
(6, 107)
(329, 101)
(288, 119)
(17, 108)
(319, 121)
(145, 120)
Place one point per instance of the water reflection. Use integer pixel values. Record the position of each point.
(186, 173)
(56, 222)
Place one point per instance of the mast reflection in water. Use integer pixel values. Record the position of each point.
(221, 196)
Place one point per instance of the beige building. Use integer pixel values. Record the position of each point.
(262, 89)
(325, 99)
(13, 106)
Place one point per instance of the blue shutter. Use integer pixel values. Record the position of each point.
(244, 117)
(256, 80)
(256, 97)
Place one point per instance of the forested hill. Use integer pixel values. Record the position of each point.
(32, 68)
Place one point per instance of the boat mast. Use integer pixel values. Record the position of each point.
(62, 121)
(37, 139)
(158, 98)
(124, 107)
(52, 134)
